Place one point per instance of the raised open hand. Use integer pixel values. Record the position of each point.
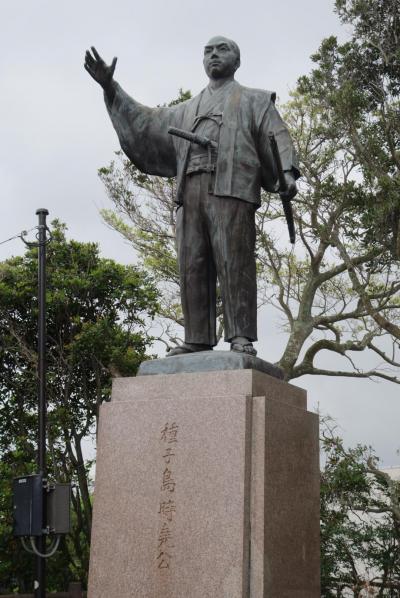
(98, 69)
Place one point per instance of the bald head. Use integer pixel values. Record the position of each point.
(221, 57)
(219, 39)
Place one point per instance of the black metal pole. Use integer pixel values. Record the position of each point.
(40, 582)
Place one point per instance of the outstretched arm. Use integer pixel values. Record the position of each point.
(101, 72)
(142, 131)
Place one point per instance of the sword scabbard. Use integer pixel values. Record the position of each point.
(286, 204)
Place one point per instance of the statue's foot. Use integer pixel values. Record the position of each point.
(241, 344)
(188, 348)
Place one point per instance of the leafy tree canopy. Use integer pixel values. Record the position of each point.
(360, 522)
(96, 324)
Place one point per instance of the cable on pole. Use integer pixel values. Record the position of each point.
(20, 235)
(44, 555)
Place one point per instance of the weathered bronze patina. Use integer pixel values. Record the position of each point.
(218, 185)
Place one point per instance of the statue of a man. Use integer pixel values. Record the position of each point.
(218, 187)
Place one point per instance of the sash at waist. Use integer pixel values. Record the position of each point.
(201, 163)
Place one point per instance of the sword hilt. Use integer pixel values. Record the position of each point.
(192, 137)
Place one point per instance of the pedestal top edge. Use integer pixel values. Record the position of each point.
(208, 361)
(213, 383)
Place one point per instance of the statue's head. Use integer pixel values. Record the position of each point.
(221, 57)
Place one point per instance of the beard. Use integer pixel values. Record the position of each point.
(219, 71)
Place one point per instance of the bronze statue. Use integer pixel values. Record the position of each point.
(219, 180)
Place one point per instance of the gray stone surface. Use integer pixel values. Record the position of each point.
(285, 553)
(208, 361)
(200, 547)
(245, 464)
(222, 383)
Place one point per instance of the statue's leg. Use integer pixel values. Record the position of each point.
(232, 233)
(196, 266)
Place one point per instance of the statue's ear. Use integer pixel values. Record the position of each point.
(237, 65)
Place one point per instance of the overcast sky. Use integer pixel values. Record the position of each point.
(55, 132)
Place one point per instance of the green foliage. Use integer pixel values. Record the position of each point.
(96, 312)
(357, 85)
(182, 97)
(360, 523)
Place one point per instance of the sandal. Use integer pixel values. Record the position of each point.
(245, 348)
(188, 348)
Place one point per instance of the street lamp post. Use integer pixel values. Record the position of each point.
(40, 582)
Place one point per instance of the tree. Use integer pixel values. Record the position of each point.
(357, 84)
(314, 289)
(360, 522)
(96, 323)
(333, 294)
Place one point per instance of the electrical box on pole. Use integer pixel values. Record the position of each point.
(28, 505)
(58, 509)
(29, 495)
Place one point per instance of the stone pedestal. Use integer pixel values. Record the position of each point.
(207, 486)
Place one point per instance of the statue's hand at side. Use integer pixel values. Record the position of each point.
(291, 190)
(99, 70)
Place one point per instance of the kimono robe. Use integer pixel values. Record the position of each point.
(215, 217)
(244, 163)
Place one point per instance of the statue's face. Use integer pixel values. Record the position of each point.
(220, 59)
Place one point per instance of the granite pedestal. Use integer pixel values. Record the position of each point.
(207, 486)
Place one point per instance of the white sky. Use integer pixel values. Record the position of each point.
(55, 132)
